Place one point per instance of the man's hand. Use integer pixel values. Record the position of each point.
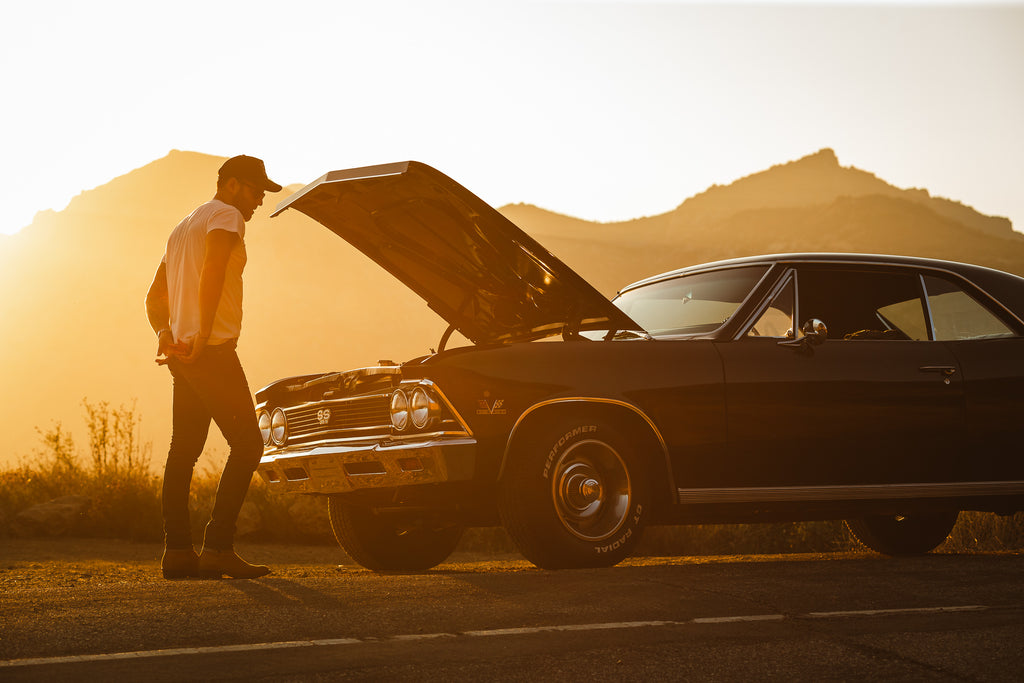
(191, 355)
(166, 347)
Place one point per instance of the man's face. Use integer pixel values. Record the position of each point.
(248, 198)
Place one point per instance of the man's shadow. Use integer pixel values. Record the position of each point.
(279, 592)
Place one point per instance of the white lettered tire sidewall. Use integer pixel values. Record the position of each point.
(575, 494)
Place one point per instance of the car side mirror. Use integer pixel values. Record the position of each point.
(815, 333)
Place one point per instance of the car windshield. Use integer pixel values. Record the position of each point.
(690, 304)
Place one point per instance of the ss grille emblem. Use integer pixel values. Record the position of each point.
(323, 416)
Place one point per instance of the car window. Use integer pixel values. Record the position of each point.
(777, 319)
(957, 315)
(690, 304)
(863, 304)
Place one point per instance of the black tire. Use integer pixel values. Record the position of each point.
(914, 534)
(384, 543)
(574, 494)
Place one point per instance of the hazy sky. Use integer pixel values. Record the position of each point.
(602, 110)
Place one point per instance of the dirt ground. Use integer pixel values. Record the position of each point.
(69, 561)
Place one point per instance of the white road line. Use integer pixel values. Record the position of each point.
(422, 636)
(568, 627)
(331, 642)
(173, 652)
(890, 612)
(732, 620)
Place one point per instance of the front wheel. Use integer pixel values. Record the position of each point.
(914, 534)
(574, 494)
(388, 543)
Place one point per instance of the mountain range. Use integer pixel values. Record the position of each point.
(72, 283)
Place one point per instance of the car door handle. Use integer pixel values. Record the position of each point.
(947, 371)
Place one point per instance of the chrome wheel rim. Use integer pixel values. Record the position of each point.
(591, 490)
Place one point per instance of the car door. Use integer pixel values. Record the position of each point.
(876, 404)
(991, 357)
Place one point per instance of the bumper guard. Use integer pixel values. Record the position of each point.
(336, 468)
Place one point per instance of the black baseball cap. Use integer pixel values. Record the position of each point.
(249, 169)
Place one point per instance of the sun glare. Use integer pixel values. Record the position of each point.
(25, 196)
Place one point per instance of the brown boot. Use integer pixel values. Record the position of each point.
(179, 564)
(213, 564)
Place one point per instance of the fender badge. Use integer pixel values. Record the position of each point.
(486, 408)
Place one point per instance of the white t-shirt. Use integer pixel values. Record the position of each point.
(186, 250)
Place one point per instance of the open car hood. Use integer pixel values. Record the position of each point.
(474, 267)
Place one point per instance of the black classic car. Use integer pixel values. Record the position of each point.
(884, 390)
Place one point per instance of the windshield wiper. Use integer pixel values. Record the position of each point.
(630, 334)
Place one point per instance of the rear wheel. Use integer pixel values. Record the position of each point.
(388, 543)
(574, 495)
(914, 534)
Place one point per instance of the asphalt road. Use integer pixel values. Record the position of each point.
(100, 611)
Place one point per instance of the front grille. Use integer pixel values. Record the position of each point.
(337, 419)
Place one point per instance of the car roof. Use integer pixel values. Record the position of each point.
(964, 269)
(1005, 288)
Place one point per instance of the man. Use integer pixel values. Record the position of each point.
(195, 307)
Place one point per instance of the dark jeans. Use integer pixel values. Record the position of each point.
(212, 388)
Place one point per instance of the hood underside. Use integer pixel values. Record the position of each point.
(474, 267)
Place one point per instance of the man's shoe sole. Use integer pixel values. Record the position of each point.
(172, 574)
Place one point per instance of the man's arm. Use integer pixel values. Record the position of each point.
(158, 310)
(219, 244)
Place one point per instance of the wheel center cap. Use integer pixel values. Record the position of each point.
(590, 490)
(585, 490)
(581, 491)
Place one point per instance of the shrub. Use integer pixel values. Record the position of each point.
(747, 539)
(982, 531)
(116, 477)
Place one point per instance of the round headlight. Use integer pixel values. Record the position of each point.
(423, 407)
(264, 419)
(399, 410)
(278, 427)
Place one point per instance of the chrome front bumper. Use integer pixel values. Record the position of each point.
(336, 468)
